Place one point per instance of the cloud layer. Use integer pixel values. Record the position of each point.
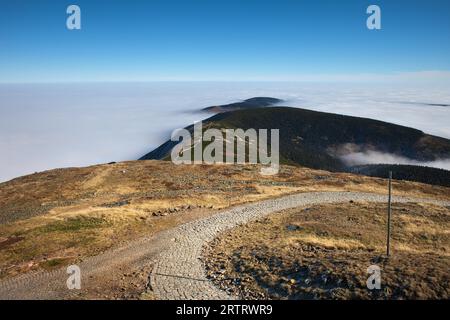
(376, 157)
(53, 125)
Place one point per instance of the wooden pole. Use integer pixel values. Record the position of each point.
(389, 215)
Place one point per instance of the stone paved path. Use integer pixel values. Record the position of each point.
(179, 273)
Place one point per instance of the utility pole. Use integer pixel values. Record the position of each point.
(389, 215)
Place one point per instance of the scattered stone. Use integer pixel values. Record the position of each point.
(292, 227)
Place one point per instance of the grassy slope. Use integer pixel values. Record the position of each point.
(323, 252)
(61, 215)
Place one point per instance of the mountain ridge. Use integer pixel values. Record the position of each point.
(319, 140)
(256, 102)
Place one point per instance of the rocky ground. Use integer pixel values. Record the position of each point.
(323, 252)
(60, 217)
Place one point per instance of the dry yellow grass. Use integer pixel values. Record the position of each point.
(323, 252)
(326, 242)
(67, 214)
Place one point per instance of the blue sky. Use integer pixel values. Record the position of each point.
(220, 40)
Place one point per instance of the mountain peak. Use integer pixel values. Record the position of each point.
(252, 103)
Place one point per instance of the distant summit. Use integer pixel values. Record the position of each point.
(257, 102)
(326, 141)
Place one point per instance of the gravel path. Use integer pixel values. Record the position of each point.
(178, 272)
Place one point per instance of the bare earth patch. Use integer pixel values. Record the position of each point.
(323, 252)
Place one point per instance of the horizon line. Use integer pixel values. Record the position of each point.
(400, 76)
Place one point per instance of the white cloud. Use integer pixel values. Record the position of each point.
(429, 77)
(376, 157)
(47, 126)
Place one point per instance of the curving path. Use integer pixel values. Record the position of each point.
(178, 272)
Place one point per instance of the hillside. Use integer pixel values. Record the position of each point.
(319, 140)
(323, 251)
(429, 175)
(257, 102)
(52, 218)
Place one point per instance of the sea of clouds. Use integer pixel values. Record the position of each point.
(374, 157)
(46, 126)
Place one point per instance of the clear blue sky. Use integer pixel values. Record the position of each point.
(219, 39)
